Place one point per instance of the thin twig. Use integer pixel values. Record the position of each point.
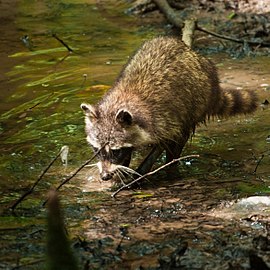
(152, 172)
(74, 174)
(62, 42)
(30, 191)
(258, 163)
(62, 60)
(37, 104)
(237, 40)
(71, 176)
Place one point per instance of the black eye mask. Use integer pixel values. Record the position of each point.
(119, 156)
(116, 156)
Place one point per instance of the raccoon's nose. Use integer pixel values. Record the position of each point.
(106, 176)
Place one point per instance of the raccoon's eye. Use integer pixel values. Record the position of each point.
(116, 153)
(120, 156)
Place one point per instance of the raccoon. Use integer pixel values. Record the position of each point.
(162, 94)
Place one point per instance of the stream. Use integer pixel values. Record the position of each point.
(196, 222)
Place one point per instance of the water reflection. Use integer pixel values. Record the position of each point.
(41, 113)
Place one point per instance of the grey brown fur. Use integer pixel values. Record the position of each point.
(162, 94)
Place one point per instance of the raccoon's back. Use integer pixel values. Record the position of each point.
(171, 89)
(174, 82)
(166, 63)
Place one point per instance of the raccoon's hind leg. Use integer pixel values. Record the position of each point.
(151, 158)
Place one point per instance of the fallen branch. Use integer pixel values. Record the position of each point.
(30, 191)
(174, 19)
(152, 172)
(169, 13)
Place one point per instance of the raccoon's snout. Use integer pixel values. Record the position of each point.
(105, 176)
(106, 170)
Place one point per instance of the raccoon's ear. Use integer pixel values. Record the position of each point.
(124, 117)
(89, 110)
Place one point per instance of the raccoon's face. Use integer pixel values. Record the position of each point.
(110, 160)
(113, 136)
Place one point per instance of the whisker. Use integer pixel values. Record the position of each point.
(128, 170)
(120, 173)
(92, 170)
(127, 173)
(121, 176)
(91, 165)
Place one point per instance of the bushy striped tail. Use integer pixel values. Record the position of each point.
(235, 101)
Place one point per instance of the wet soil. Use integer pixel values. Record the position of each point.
(168, 222)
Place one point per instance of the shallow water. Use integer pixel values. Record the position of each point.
(40, 110)
(42, 87)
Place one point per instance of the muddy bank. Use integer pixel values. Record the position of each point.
(239, 28)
